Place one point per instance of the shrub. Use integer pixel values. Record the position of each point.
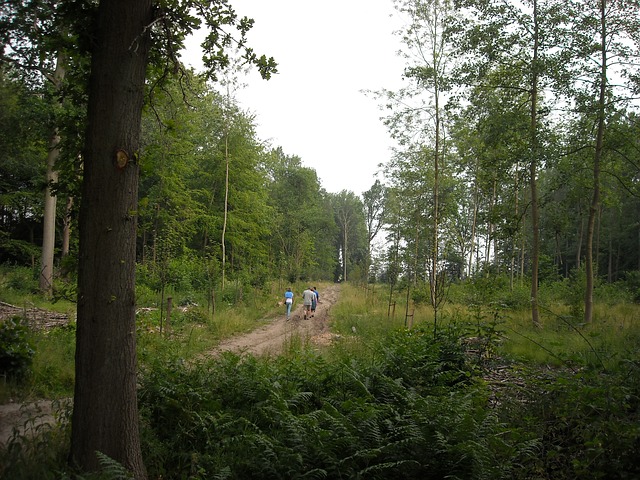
(613, 294)
(632, 282)
(16, 351)
(588, 422)
(21, 279)
(53, 372)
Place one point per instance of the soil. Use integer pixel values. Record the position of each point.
(272, 337)
(269, 339)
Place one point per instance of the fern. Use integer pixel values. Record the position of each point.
(111, 469)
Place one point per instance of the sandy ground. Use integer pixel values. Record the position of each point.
(269, 339)
(28, 418)
(272, 337)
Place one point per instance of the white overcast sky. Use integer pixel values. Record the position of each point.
(327, 53)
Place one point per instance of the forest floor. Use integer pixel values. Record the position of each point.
(269, 339)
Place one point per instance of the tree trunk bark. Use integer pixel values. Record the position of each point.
(105, 413)
(533, 172)
(226, 206)
(344, 252)
(474, 221)
(579, 246)
(49, 218)
(50, 200)
(66, 227)
(514, 240)
(595, 199)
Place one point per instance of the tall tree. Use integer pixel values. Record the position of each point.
(349, 217)
(607, 41)
(50, 198)
(23, 143)
(373, 202)
(519, 37)
(40, 36)
(429, 64)
(105, 414)
(303, 227)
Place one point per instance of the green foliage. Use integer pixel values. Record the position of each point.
(491, 289)
(19, 251)
(16, 348)
(21, 280)
(112, 470)
(421, 361)
(383, 403)
(588, 421)
(632, 283)
(302, 416)
(41, 449)
(615, 293)
(421, 294)
(53, 372)
(570, 291)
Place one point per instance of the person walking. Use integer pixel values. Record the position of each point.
(307, 300)
(314, 301)
(288, 301)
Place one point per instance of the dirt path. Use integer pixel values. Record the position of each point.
(273, 337)
(266, 340)
(29, 418)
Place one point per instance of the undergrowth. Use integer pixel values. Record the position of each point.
(413, 411)
(485, 396)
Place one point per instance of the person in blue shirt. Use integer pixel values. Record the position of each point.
(288, 301)
(314, 301)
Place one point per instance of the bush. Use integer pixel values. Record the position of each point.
(21, 279)
(16, 350)
(632, 284)
(588, 422)
(53, 372)
(613, 294)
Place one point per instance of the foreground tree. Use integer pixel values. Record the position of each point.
(105, 416)
(523, 40)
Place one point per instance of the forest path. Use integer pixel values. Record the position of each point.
(273, 337)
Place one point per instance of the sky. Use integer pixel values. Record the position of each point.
(327, 53)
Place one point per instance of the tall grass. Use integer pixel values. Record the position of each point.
(561, 339)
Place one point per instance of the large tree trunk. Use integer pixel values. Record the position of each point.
(105, 414)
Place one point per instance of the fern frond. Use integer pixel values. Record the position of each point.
(113, 469)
